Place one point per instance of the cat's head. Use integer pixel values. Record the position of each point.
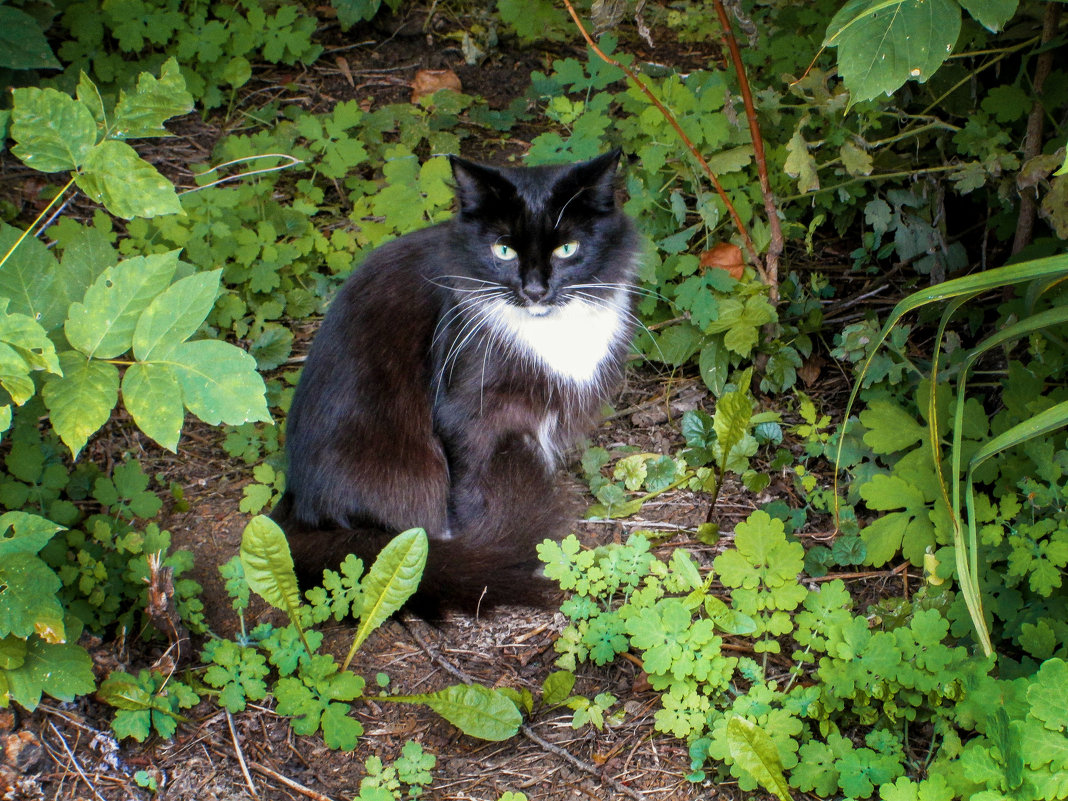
(541, 237)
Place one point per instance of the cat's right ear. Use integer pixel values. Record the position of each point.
(478, 186)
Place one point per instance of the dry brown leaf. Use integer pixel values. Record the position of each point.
(724, 256)
(427, 82)
(809, 372)
(343, 65)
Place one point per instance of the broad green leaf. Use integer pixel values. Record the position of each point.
(29, 598)
(754, 751)
(883, 43)
(389, 583)
(991, 14)
(87, 252)
(340, 731)
(557, 687)
(1047, 696)
(24, 348)
(155, 101)
(153, 397)
(219, 382)
(268, 564)
(21, 532)
(62, 670)
(53, 131)
(23, 45)
(12, 654)
(477, 711)
(28, 278)
(174, 315)
(103, 324)
(127, 185)
(81, 401)
(123, 691)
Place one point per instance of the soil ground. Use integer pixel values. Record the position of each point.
(254, 754)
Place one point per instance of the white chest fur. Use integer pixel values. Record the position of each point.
(570, 341)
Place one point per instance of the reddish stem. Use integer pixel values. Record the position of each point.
(754, 255)
(775, 247)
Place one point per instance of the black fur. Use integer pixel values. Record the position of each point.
(416, 409)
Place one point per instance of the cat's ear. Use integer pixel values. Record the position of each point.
(596, 179)
(478, 186)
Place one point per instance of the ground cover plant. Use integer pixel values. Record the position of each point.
(779, 587)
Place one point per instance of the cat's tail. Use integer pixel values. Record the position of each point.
(488, 559)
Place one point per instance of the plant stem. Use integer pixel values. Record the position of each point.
(775, 246)
(36, 220)
(753, 254)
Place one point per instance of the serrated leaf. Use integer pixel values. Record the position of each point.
(800, 164)
(268, 564)
(81, 401)
(23, 45)
(856, 160)
(1047, 696)
(62, 670)
(155, 101)
(339, 730)
(883, 43)
(153, 397)
(219, 382)
(53, 131)
(476, 710)
(89, 96)
(174, 315)
(103, 325)
(21, 532)
(754, 751)
(127, 185)
(890, 428)
(12, 652)
(390, 582)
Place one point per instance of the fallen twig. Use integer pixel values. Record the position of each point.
(240, 755)
(74, 761)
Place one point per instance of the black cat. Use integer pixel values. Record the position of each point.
(452, 371)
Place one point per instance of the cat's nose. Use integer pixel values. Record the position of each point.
(534, 291)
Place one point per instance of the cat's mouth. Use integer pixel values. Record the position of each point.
(537, 309)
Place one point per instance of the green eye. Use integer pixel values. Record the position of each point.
(566, 250)
(503, 252)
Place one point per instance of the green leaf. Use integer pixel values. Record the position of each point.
(390, 582)
(21, 532)
(174, 315)
(754, 751)
(23, 45)
(81, 401)
(883, 43)
(28, 604)
(340, 730)
(155, 101)
(153, 397)
(801, 164)
(1047, 697)
(61, 670)
(890, 428)
(476, 710)
(268, 564)
(28, 278)
(219, 382)
(991, 14)
(127, 185)
(24, 348)
(557, 687)
(53, 131)
(103, 325)
(12, 654)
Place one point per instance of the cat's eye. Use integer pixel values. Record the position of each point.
(566, 250)
(503, 252)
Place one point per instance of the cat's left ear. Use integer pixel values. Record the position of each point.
(597, 177)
